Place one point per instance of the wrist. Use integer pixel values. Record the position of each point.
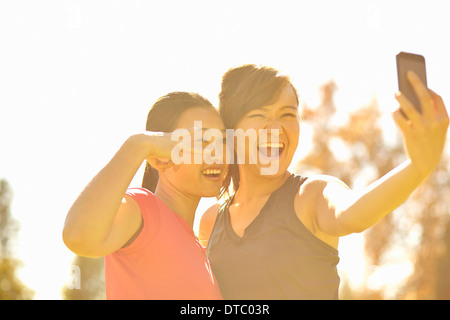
(417, 173)
(147, 144)
(137, 146)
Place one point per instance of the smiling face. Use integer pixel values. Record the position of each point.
(280, 117)
(201, 179)
(253, 96)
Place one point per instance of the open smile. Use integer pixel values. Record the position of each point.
(271, 149)
(212, 173)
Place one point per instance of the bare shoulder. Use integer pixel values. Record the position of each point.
(316, 195)
(317, 185)
(211, 213)
(207, 223)
(306, 198)
(323, 180)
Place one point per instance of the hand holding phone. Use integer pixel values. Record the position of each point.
(410, 62)
(423, 121)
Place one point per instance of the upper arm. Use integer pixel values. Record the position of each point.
(325, 197)
(126, 224)
(207, 223)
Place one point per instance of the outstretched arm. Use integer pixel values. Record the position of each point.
(340, 211)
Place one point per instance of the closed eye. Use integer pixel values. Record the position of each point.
(289, 115)
(255, 115)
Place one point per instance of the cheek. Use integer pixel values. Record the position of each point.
(182, 176)
(294, 131)
(188, 172)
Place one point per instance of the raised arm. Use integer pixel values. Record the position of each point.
(102, 219)
(340, 211)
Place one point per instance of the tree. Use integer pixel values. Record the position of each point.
(357, 152)
(87, 281)
(443, 267)
(428, 214)
(11, 288)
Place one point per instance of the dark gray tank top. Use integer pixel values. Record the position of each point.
(276, 258)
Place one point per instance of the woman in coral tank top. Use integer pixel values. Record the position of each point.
(145, 234)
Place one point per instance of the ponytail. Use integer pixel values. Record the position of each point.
(151, 177)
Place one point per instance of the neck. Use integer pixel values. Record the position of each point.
(182, 204)
(256, 185)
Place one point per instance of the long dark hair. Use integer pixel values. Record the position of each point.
(246, 88)
(163, 117)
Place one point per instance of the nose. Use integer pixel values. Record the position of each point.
(219, 153)
(273, 124)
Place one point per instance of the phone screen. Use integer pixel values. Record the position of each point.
(416, 63)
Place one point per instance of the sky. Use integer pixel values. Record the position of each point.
(78, 77)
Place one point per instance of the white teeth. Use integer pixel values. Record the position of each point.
(271, 145)
(212, 171)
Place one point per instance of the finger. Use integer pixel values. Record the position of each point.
(192, 147)
(439, 106)
(407, 107)
(422, 93)
(195, 131)
(401, 121)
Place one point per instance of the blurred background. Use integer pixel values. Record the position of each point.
(78, 77)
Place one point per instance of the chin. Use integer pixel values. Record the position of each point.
(205, 191)
(212, 192)
(272, 172)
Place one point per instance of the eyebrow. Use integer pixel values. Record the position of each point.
(221, 130)
(290, 107)
(282, 108)
(205, 129)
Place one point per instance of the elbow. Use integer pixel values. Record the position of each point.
(72, 241)
(355, 229)
(72, 235)
(77, 243)
(346, 228)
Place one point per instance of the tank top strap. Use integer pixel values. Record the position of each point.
(290, 188)
(282, 199)
(284, 195)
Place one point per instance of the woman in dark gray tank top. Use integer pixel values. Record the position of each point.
(276, 258)
(277, 236)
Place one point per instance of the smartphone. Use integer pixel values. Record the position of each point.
(416, 63)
